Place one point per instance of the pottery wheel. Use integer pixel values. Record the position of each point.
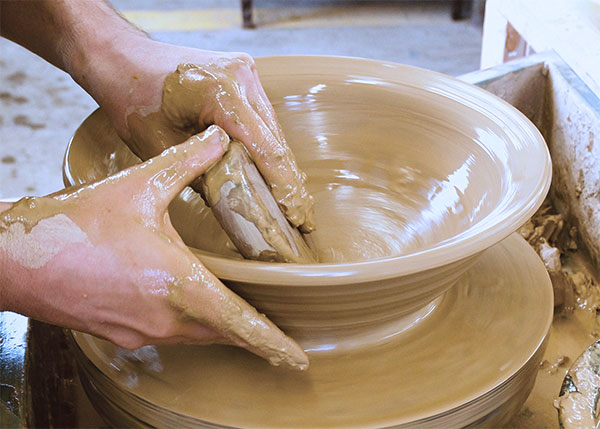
(472, 359)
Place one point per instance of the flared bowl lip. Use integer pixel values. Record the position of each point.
(515, 207)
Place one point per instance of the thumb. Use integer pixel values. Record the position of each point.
(176, 167)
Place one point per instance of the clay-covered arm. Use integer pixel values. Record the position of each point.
(5, 267)
(65, 32)
(105, 259)
(125, 72)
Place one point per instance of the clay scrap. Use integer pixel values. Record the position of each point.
(549, 233)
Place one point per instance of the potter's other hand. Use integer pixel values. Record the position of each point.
(105, 259)
(125, 71)
(162, 94)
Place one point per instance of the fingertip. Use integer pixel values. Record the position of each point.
(227, 314)
(204, 150)
(276, 347)
(216, 132)
(178, 166)
(290, 355)
(295, 358)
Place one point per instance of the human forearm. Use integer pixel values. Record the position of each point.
(124, 71)
(71, 34)
(11, 274)
(4, 281)
(4, 284)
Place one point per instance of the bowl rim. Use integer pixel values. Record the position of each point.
(437, 256)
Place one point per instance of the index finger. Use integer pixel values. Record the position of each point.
(263, 108)
(202, 297)
(266, 110)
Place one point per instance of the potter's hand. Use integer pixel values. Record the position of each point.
(105, 259)
(124, 71)
(162, 94)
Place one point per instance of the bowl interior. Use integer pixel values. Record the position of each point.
(410, 169)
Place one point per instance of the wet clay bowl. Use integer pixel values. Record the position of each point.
(414, 174)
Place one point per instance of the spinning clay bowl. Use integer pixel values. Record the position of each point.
(414, 174)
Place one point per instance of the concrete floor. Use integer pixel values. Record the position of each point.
(41, 107)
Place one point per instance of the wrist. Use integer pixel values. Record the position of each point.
(34, 234)
(100, 57)
(108, 68)
(13, 278)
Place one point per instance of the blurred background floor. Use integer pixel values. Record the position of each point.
(41, 107)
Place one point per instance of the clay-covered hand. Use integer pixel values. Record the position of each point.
(162, 94)
(105, 259)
